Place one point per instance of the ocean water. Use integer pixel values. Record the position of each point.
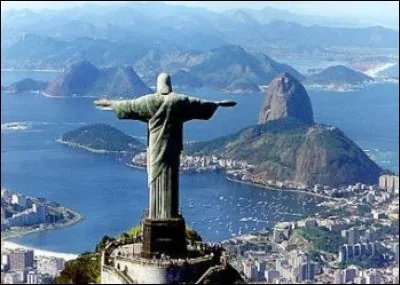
(112, 196)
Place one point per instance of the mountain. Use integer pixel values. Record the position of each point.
(286, 97)
(229, 68)
(287, 145)
(83, 78)
(123, 33)
(241, 85)
(223, 66)
(185, 79)
(269, 14)
(97, 137)
(338, 75)
(119, 81)
(26, 85)
(290, 150)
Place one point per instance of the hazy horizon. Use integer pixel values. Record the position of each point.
(376, 12)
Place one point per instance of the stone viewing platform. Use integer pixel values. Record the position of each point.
(122, 263)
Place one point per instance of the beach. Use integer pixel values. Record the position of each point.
(374, 71)
(7, 245)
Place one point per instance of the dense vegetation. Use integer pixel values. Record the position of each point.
(364, 209)
(365, 262)
(287, 149)
(191, 234)
(393, 229)
(322, 239)
(84, 270)
(103, 137)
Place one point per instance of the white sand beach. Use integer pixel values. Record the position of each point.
(373, 72)
(38, 252)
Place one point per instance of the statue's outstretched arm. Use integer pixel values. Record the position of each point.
(105, 103)
(226, 103)
(134, 109)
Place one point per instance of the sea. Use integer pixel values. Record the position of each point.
(112, 196)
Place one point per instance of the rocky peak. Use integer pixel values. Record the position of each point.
(286, 97)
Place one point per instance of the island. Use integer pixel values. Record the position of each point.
(22, 215)
(338, 78)
(26, 85)
(96, 138)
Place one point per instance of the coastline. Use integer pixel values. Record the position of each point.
(374, 71)
(98, 151)
(268, 187)
(49, 227)
(5, 244)
(265, 187)
(41, 92)
(39, 252)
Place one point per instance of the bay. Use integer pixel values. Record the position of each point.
(112, 196)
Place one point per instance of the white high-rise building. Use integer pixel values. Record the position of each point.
(32, 277)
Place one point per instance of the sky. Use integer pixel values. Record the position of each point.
(359, 9)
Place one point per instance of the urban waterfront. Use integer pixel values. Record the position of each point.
(101, 188)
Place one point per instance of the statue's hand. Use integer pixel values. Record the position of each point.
(102, 103)
(227, 103)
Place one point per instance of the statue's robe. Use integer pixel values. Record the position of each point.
(165, 115)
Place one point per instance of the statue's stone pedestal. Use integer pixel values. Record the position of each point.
(166, 236)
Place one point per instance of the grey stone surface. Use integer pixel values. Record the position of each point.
(286, 97)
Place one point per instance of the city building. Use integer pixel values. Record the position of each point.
(21, 259)
(35, 215)
(250, 270)
(396, 252)
(389, 182)
(33, 277)
(271, 275)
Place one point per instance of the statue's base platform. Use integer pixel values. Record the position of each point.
(121, 267)
(164, 237)
(122, 263)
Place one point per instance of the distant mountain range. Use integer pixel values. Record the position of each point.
(122, 34)
(229, 68)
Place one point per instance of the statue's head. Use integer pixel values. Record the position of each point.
(164, 84)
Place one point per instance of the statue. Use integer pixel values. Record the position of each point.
(165, 112)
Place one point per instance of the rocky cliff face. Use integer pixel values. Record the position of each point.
(286, 97)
